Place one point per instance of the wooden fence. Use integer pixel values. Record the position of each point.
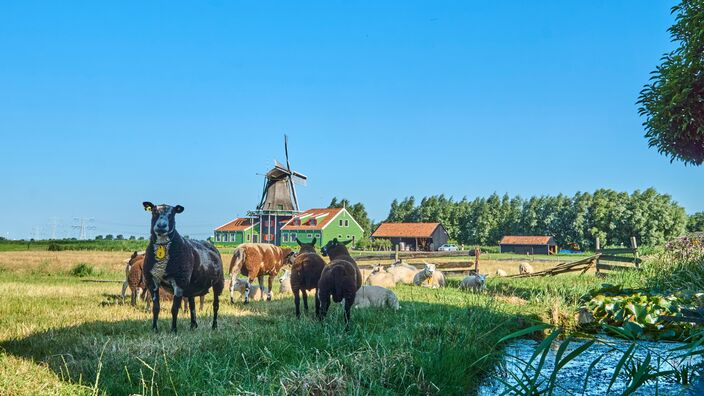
(617, 259)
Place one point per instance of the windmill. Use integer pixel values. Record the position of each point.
(279, 193)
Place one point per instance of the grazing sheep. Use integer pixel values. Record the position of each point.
(285, 283)
(525, 268)
(403, 273)
(474, 282)
(379, 277)
(500, 272)
(240, 286)
(184, 267)
(429, 277)
(340, 279)
(133, 277)
(305, 275)
(255, 260)
(376, 297)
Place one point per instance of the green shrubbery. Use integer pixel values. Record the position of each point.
(82, 270)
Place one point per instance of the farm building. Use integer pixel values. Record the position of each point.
(413, 236)
(323, 224)
(238, 231)
(528, 245)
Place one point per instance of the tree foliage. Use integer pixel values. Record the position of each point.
(695, 222)
(673, 102)
(610, 215)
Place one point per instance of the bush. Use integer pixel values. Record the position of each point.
(55, 247)
(82, 269)
(679, 266)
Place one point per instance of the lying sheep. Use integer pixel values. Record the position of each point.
(375, 297)
(379, 277)
(365, 274)
(474, 282)
(403, 273)
(240, 285)
(429, 277)
(500, 272)
(285, 283)
(525, 268)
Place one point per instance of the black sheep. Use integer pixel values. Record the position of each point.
(305, 274)
(340, 279)
(184, 267)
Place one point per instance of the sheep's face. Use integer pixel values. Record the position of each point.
(429, 269)
(285, 276)
(481, 279)
(163, 218)
(377, 268)
(334, 246)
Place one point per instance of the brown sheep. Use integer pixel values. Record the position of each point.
(340, 279)
(305, 274)
(255, 260)
(133, 277)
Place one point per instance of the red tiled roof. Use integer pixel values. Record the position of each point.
(239, 224)
(526, 240)
(310, 214)
(411, 230)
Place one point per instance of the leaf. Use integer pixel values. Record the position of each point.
(617, 370)
(520, 333)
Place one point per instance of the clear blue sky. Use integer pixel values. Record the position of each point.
(106, 104)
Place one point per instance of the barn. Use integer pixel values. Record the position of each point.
(413, 236)
(324, 224)
(528, 244)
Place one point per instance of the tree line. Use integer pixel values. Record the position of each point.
(612, 216)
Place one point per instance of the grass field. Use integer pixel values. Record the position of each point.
(62, 335)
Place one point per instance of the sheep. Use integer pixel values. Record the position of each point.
(379, 277)
(285, 283)
(184, 267)
(429, 277)
(376, 297)
(402, 273)
(133, 277)
(255, 260)
(240, 286)
(365, 273)
(474, 282)
(340, 279)
(525, 268)
(305, 275)
(500, 272)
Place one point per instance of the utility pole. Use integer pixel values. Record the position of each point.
(83, 226)
(53, 223)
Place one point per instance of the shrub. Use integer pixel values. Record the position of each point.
(83, 269)
(55, 247)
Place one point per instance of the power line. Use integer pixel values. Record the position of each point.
(53, 223)
(84, 225)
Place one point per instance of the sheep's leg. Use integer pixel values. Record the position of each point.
(317, 304)
(216, 306)
(192, 307)
(348, 305)
(271, 287)
(232, 288)
(305, 300)
(133, 297)
(247, 287)
(178, 297)
(202, 302)
(297, 301)
(155, 307)
(125, 284)
(324, 304)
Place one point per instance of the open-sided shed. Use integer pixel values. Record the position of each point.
(414, 236)
(528, 244)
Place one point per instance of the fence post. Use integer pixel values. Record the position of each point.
(396, 255)
(477, 252)
(597, 250)
(634, 246)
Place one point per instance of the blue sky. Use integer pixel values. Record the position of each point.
(106, 104)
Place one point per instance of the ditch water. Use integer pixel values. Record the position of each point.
(571, 377)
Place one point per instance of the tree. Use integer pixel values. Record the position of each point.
(108, 237)
(673, 102)
(695, 222)
(132, 238)
(119, 237)
(98, 237)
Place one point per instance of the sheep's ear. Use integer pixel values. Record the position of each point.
(148, 206)
(347, 242)
(178, 209)
(298, 241)
(135, 254)
(315, 239)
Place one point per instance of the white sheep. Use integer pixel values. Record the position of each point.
(403, 273)
(474, 282)
(379, 277)
(500, 272)
(429, 277)
(240, 285)
(375, 297)
(365, 274)
(525, 268)
(285, 282)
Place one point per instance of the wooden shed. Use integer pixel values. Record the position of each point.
(413, 236)
(528, 244)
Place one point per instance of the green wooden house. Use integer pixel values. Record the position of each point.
(323, 224)
(240, 230)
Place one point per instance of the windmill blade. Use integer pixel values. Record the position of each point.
(290, 175)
